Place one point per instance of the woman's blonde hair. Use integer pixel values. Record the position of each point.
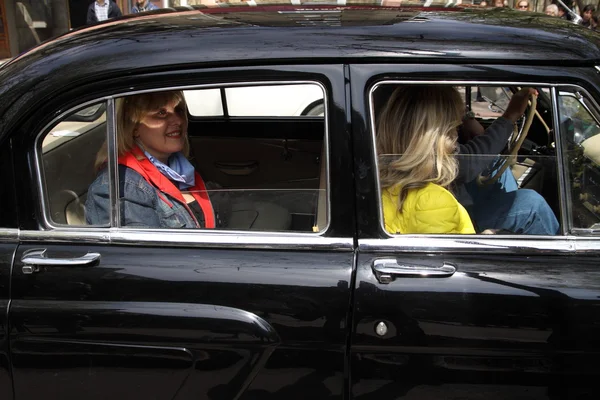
(131, 110)
(416, 137)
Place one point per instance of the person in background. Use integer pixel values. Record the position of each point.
(596, 19)
(483, 3)
(498, 3)
(586, 17)
(552, 10)
(101, 10)
(523, 5)
(143, 5)
(563, 13)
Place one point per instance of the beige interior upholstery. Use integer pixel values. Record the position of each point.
(69, 171)
(75, 210)
(259, 216)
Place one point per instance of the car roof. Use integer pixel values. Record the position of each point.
(334, 32)
(228, 36)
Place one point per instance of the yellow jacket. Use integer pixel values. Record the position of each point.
(430, 209)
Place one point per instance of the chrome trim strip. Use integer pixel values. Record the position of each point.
(512, 244)
(92, 235)
(192, 238)
(233, 239)
(113, 169)
(564, 193)
(38, 145)
(9, 235)
(587, 245)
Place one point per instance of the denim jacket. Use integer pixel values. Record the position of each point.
(141, 205)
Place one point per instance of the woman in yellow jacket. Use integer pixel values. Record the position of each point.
(417, 143)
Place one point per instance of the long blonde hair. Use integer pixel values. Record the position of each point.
(416, 137)
(131, 110)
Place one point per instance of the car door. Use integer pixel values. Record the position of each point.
(8, 245)
(495, 317)
(103, 312)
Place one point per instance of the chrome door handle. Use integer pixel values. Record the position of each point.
(34, 258)
(386, 270)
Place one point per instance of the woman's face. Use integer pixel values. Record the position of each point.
(587, 15)
(163, 131)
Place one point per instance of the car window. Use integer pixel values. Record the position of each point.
(176, 171)
(257, 101)
(75, 124)
(68, 153)
(450, 163)
(580, 126)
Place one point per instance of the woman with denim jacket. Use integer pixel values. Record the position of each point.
(158, 186)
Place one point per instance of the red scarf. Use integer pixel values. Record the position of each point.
(137, 161)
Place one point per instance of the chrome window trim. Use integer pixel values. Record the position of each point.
(40, 172)
(111, 120)
(191, 238)
(457, 242)
(564, 194)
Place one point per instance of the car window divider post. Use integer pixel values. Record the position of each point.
(564, 193)
(113, 169)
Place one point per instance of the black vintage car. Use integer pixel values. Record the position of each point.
(303, 295)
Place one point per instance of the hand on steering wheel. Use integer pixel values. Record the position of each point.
(517, 106)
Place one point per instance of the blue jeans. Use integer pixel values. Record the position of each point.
(504, 206)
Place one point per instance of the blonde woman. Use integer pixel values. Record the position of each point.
(159, 187)
(416, 142)
(417, 147)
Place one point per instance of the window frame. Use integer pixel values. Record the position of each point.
(593, 108)
(178, 237)
(451, 242)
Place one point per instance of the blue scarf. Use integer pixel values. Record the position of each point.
(179, 169)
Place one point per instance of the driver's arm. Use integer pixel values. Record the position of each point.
(493, 141)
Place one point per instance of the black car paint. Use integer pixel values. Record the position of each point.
(503, 323)
(501, 327)
(113, 321)
(8, 220)
(182, 323)
(506, 325)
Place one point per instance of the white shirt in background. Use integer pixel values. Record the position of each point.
(102, 11)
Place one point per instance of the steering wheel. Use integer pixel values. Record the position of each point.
(509, 156)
